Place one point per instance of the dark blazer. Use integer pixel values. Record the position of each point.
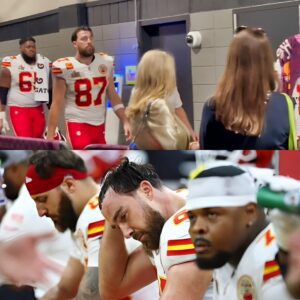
(213, 134)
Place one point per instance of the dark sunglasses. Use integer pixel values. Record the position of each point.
(258, 30)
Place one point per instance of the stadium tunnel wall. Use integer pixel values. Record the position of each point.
(115, 22)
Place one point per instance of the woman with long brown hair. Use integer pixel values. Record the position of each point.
(245, 111)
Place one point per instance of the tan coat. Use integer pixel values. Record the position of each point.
(160, 130)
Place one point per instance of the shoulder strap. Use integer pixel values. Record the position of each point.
(292, 133)
(143, 120)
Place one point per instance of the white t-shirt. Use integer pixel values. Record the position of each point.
(256, 277)
(86, 87)
(173, 101)
(22, 219)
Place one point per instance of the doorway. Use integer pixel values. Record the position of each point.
(170, 36)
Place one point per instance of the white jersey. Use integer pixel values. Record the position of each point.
(256, 277)
(21, 219)
(176, 247)
(24, 78)
(86, 87)
(89, 231)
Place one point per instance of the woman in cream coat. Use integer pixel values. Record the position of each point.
(154, 123)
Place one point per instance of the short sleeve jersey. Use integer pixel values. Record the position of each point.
(88, 235)
(89, 230)
(86, 87)
(176, 246)
(257, 275)
(23, 78)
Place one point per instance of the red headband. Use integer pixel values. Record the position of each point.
(37, 185)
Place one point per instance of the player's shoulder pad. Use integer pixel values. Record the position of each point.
(9, 58)
(7, 61)
(96, 229)
(177, 229)
(107, 57)
(44, 58)
(271, 270)
(62, 64)
(176, 245)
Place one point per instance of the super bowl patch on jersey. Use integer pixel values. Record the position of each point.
(246, 288)
(102, 69)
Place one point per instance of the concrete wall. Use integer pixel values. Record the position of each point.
(208, 64)
(119, 40)
(53, 45)
(115, 33)
(14, 9)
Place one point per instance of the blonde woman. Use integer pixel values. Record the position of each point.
(152, 117)
(245, 111)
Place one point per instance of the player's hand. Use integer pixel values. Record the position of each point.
(21, 263)
(281, 183)
(284, 49)
(49, 136)
(127, 131)
(4, 127)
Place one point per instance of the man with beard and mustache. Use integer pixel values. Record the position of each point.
(24, 87)
(22, 219)
(231, 234)
(136, 204)
(62, 190)
(81, 84)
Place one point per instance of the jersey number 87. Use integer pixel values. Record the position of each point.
(83, 97)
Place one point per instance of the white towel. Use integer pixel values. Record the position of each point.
(41, 67)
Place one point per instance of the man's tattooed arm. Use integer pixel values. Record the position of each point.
(88, 289)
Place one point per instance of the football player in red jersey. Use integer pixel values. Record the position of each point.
(80, 85)
(24, 87)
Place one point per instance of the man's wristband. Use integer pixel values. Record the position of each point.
(118, 106)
